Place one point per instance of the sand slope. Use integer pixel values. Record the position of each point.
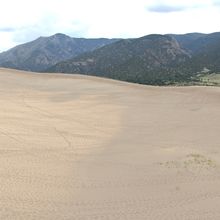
(77, 147)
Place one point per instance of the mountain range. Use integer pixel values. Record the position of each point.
(44, 52)
(136, 60)
(152, 59)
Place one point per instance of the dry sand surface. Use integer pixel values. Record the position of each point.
(85, 148)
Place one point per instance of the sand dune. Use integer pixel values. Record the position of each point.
(84, 148)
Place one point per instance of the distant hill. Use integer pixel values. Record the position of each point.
(47, 51)
(151, 59)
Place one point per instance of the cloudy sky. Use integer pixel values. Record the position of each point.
(25, 20)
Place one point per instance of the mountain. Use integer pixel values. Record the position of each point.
(204, 50)
(207, 57)
(187, 41)
(150, 59)
(47, 51)
(197, 42)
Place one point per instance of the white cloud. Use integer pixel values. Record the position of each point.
(25, 20)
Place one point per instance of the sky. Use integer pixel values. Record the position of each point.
(25, 20)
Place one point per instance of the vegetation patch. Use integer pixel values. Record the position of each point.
(198, 161)
(191, 161)
(210, 79)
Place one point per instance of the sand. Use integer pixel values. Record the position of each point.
(84, 148)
